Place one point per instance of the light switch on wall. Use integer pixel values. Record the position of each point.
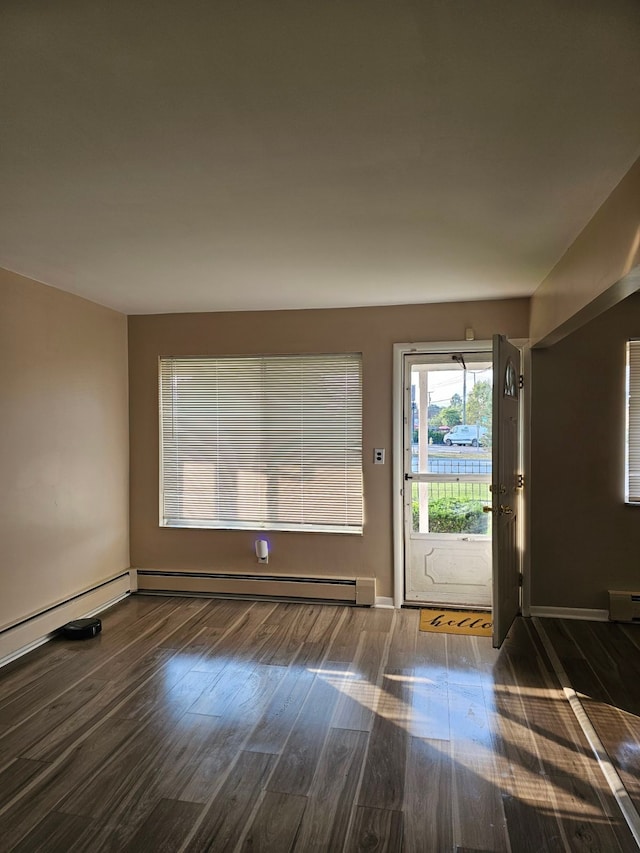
(378, 456)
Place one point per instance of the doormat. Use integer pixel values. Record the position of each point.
(475, 623)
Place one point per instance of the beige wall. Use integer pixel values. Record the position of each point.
(64, 447)
(584, 540)
(598, 270)
(371, 331)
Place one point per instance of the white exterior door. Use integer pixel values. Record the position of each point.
(447, 533)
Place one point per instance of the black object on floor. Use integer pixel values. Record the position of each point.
(81, 629)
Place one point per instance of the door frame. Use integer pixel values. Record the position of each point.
(436, 347)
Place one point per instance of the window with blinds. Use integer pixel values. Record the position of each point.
(633, 422)
(262, 443)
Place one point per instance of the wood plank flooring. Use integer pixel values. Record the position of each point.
(602, 660)
(211, 725)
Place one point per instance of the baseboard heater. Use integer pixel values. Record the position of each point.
(36, 628)
(624, 606)
(360, 591)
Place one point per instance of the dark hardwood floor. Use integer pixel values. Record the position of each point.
(602, 660)
(195, 724)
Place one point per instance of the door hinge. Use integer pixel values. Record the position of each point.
(520, 579)
(520, 481)
(521, 381)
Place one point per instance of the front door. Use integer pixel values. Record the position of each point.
(461, 480)
(504, 488)
(447, 474)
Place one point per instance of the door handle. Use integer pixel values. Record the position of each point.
(505, 509)
(486, 508)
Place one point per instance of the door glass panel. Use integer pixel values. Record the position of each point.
(451, 411)
(451, 437)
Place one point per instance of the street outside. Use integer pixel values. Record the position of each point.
(454, 460)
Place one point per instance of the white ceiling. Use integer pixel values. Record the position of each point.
(225, 155)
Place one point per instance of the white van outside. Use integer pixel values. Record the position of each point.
(465, 434)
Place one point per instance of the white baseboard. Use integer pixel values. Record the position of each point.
(383, 601)
(33, 631)
(590, 615)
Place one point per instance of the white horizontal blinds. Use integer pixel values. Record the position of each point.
(262, 442)
(633, 449)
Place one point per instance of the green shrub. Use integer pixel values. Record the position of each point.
(436, 437)
(452, 515)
